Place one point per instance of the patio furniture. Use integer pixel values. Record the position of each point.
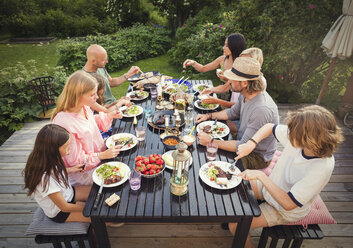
(292, 235)
(43, 88)
(48, 231)
(153, 202)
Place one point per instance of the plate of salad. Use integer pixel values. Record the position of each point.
(113, 173)
(205, 106)
(137, 95)
(219, 130)
(131, 111)
(121, 139)
(217, 174)
(200, 87)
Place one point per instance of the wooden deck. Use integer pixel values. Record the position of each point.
(16, 209)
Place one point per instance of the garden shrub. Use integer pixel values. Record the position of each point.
(126, 46)
(17, 100)
(289, 33)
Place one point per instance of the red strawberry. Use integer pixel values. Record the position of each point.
(154, 167)
(138, 158)
(139, 163)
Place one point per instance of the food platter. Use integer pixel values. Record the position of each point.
(168, 164)
(205, 106)
(132, 111)
(200, 87)
(137, 95)
(123, 137)
(169, 86)
(98, 180)
(163, 113)
(149, 163)
(221, 128)
(205, 176)
(140, 76)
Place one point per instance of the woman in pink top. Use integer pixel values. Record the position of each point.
(74, 114)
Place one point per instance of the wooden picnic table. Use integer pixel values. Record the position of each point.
(154, 203)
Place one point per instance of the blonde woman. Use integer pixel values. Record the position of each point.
(255, 53)
(74, 114)
(302, 171)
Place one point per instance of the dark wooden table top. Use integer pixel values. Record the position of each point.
(153, 202)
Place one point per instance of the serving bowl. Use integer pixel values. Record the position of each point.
(188, 139)
(170, 147)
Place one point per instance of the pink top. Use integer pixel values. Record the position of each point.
(86, 141)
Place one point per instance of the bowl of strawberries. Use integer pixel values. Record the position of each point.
(149, 166)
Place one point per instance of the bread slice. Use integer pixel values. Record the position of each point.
(112, 199)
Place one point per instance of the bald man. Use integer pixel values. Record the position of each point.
(96, 61)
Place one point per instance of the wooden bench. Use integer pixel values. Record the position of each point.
(57, 240)
(292, 235)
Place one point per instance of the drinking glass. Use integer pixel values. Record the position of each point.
(180, 102)
(211, 151)
(154, 92)
(148, 111)
(135, 180)
(190, 98)
(188, 121)
(140, 133)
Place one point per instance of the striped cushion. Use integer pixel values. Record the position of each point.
(318, 214)
(42, 225)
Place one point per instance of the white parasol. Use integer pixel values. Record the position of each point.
(339, 42)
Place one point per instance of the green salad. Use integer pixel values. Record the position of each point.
(202, 87)
(107, 170)
(133, 110)
(208, 105)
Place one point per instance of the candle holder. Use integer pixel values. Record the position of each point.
(179, 180)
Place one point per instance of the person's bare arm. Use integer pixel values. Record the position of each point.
(64, 206)
(99, 108)
(218, 89)
(204, 68)
(113, 82)
(213, 100)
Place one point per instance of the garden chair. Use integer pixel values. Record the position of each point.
(43, 88)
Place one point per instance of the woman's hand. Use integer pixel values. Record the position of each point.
(252, 175)
(115, 114)
(210, 100)
(245, 149)
(188, 62)
(203, 138)
(110, 153)
(207, 91)
(73, 169)
(201, 118)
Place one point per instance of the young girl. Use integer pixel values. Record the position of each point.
(74, 114)
(47, 179)
(302, 171)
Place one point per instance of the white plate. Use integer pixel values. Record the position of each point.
(232, 183)
(139, 108)
(220, 124)
(205, 96)
(97, 180)
(137, 99)
(198, 105)
(109, 142)
(196, 87)
(170, 153)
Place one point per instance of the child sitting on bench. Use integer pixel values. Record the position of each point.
(302, 171)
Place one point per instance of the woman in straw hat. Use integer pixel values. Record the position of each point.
(254, 109)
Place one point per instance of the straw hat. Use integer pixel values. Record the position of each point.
(244, 69)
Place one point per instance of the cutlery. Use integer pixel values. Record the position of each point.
(192, 130)
(180, 79)
(127, 142)
(232, 168)
(213, 127)
(183, 80)
(98, 195)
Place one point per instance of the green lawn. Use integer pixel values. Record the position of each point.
(159, 63)
(45, 54)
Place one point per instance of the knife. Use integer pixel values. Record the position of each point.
(213, 127)
(127, 142)
(98, 195)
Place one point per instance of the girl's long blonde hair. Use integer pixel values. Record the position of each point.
(78, 84)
